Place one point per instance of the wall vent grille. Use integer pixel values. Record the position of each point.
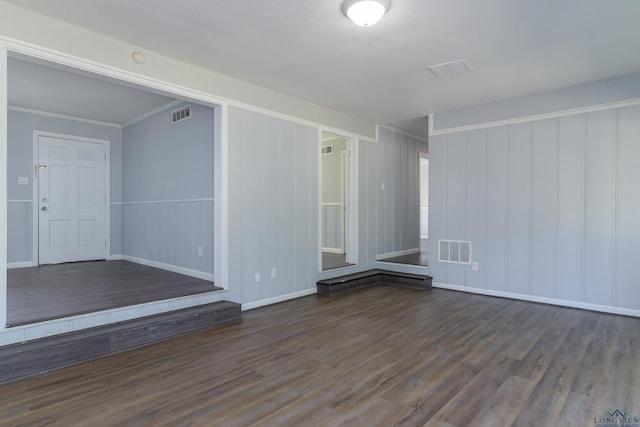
(327, 149)
(454, 251)
(180, 114)
(450, 68)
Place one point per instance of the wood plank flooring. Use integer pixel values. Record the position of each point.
(418, 258)
(331, 261)
(54, 291)
(379, 356)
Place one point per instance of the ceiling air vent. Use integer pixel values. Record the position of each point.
(454, 251)
(180, 114)
(450, 68)
(327, 149)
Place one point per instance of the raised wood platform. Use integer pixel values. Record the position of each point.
(32, 357)
(46, 292)
(374, 277)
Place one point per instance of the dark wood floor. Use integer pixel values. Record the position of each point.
(379, 356)
(55, 291)
(331, 260)
(419, 258)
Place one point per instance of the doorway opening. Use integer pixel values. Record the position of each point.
(418, 257)
(424, 204)
(336, 201)
(99, 170)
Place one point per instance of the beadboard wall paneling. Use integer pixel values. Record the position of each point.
(273, 205)
(275, 211)
(475, 214)
(550, 206)
(370, 201)
(455, 197)
(518, 207)
(599, 207)
(627, 290)
(569, 217)
(167, 179)
(397, 162)
(170, 232)
(543, 204)
(19, 231)
(495, 247)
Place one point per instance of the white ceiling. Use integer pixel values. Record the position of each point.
(310, 50)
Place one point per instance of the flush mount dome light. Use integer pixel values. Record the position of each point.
(365, 12)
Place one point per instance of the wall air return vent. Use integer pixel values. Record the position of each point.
(180, 114)
(454, 251)
(327, 149)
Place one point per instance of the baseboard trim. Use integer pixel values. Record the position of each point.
(398, 253)
(22, 264)
(114, 257)
(281, 298)
(543, 300)
(174, 268)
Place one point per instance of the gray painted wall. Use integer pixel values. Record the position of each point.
(20, 163)
(595, 93)
(167, 175)
(164, 161)
(551, 206)
(397, 207)
(273, 205)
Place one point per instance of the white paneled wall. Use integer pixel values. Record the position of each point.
(397, 188)
(170, 233)
(20, 233)
(273, 206)
(551, 207)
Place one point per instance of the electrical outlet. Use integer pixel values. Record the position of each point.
(257, 277)
(474, 266)
(200, 251)
(274, 273)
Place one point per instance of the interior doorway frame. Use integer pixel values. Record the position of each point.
(36, 189)
(423, 156)
(350, 191)
(220, 107)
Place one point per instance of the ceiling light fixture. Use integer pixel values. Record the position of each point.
(365, 12)
(138, 57)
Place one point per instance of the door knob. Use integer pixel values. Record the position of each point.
(44, 208)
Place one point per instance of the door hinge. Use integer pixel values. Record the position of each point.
(38, 167)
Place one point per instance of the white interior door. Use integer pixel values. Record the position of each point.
(71, 200)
